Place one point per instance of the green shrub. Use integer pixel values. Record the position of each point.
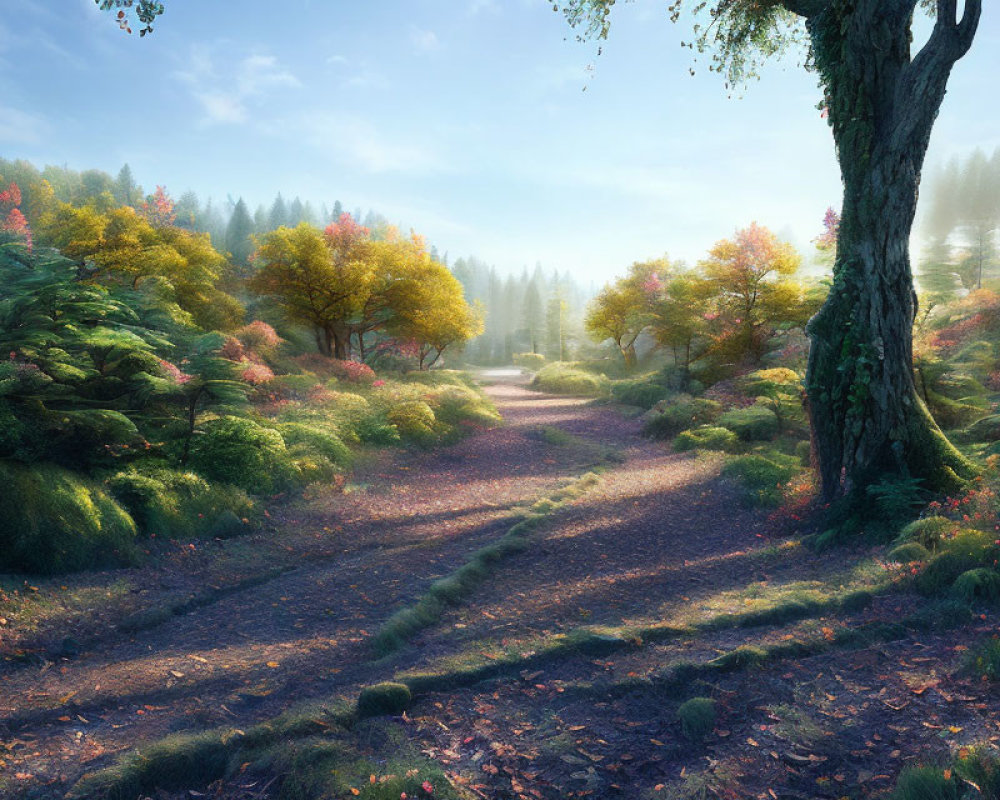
(985, 659)
(457, 404)
(697, 717)
(981, 584)
(706, 438)
(762, 479)
(55, 521)
(559, 378)
(227, 525)
(310, 467)
(927, 783)
(293, 387)
(950, 413)
(753, 424)
(895, 500)
(643, 394)
(929, 532)
(986, 429)
(378, 431)
(684, 413)
(909, 552)
(384, 699)
(968, 550)
(240, 452)
(974, 777)
(414, 420)
(175, 504)
(803, 452)
(529, 360)
(981, 768)
(317, 440)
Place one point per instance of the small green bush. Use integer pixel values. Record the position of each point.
(762, 479)
(384, 699)
(454, 405)
(803, 451)
(753, 424)
(414, 420)
(684, 413)
(316, 440)
(559, 378)
(927, 783)
(909, 552)
(981, 584)
(929, 532)
(175, 504)
(293, 387)
(697, 717)
(950, 414)
(966, 551)
(706, 437)
(644, 394)
(985, 659)
(55, 521)
(226, 526)
(238, 451)
(529, 360)
(975, 777)
(378, 431)
(986, 429)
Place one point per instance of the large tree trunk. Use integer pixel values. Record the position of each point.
(867, 417)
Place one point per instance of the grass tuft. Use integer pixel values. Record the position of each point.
(697, 717)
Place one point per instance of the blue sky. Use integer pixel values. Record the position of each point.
(465, 119)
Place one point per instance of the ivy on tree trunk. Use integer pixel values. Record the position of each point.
(867, 417)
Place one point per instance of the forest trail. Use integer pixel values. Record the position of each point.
(233, 633)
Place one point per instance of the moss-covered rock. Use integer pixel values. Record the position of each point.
(706, 437)
(384, 699)
(683, 413)
(753, 424)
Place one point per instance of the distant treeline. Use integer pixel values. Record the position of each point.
(960, 221)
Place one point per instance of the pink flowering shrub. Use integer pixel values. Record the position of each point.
(232, 349)
(352, 371)
(256, 374)
(260, 338)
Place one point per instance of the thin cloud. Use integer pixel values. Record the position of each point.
(225, 95)
(360, 144)
(21, 127)
(424, 41)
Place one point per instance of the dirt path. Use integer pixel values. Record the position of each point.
(316, 586)
(289, 614)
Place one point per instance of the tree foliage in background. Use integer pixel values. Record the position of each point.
(624, 309)
(344, 285)
(881, 100)
(749, 281)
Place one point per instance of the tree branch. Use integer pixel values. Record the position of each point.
(951, 39)
(925, 79)
(806, 8)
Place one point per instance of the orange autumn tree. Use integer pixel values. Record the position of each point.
(750, 278)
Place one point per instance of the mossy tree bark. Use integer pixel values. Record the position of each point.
(868, 419)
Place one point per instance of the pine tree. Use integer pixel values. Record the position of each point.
(238, 233)
(278, 216)
(125, 190)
